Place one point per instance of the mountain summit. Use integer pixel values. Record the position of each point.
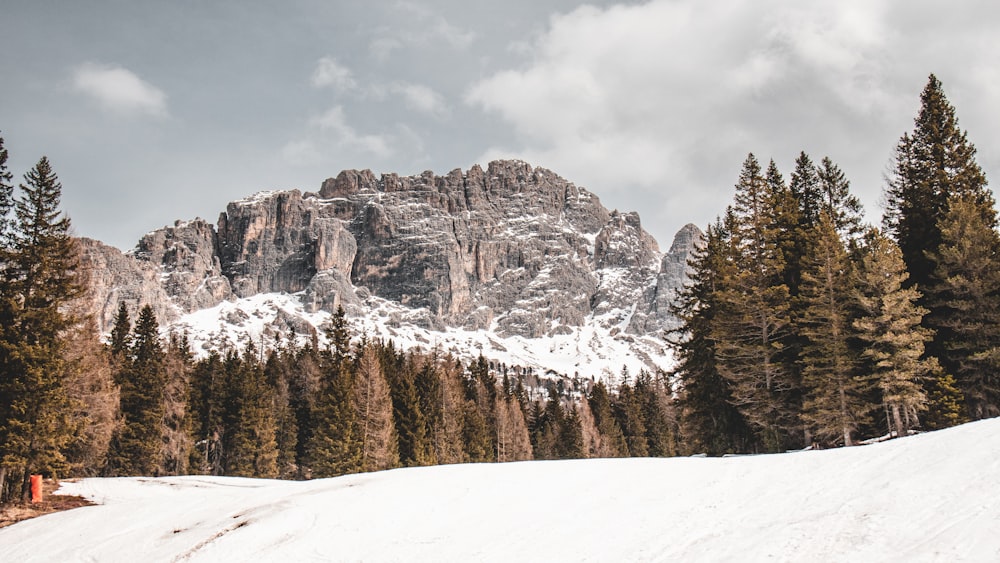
(510, 256)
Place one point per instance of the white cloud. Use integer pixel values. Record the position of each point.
(421, 27)
(119, 89)
(329, 132)
(421, 98)
(331, 73)
(666, 98)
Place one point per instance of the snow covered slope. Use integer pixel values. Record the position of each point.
(932, 497)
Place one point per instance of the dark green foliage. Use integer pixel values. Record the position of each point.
(964, 306)
(38, 278)
(334, 446)
(629, 413)
(136, 449)
(753, 323)
(411, 424)
(708, 422)
(613, 440)
(207, 412)
(121, 334)
(835, 396)
(276, 372)
(890, 332)
(249, 444)
(651, 394)
(932, 164)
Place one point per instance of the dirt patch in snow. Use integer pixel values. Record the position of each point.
(14, 513)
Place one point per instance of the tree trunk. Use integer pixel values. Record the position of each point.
(898, 418)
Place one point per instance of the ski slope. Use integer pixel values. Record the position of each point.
(931, 497)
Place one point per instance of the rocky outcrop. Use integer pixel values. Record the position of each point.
(512, 248)
(115, 278)
(674, 273)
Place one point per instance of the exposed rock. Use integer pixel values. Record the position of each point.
(512, 248)
(675, 272)
(117, 278)
(188, 255)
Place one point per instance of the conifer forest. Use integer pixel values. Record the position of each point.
(803, 326)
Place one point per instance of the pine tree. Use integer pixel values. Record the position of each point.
(39, 277)
(629, 413)
(890, 331)
(94, 399)
(121, 333)
(843, 208)
(304, 387)
(652, 397)
(373, 408)
(835, 397)
(136, 449)
(612, 442)
(932, 164)
(6, 202)
(177, 423)
(707, 418)
(251, 449)
(754, 318)
(276, 372)
(335, 445)
(206, 408)
(965, 302)
(411, 425)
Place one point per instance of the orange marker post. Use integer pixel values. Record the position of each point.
(36, 488)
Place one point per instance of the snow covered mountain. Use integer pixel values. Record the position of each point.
(513, 262)
(930, 497)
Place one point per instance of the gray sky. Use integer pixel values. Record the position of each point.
(156, 111)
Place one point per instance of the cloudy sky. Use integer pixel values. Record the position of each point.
(156, 111)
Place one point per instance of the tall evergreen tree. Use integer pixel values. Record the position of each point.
(334, 446)
(136, 449)
(612, 442)
(6, 203)
(890, 331)
(753, 326)
(965, 302)
(936, 161)
(843, 208)
(251, 448)
(708, 420)
(835, 398)
(629, 413)
(177, 421)
(276, 371)
(414, 442)
(121, 333)
(373, 408)
(39, 277)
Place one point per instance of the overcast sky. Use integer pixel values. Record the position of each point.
(156, 111)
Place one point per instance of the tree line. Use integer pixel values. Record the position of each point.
(356, 405)
(804, 326)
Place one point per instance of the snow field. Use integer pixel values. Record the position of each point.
(931, 497)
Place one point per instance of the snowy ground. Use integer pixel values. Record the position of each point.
(931, 497)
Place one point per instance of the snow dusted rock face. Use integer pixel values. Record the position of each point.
(513, 250)
(115, 277)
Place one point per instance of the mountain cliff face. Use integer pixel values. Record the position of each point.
(512, 250)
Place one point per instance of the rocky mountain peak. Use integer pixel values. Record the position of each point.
(513, 249)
